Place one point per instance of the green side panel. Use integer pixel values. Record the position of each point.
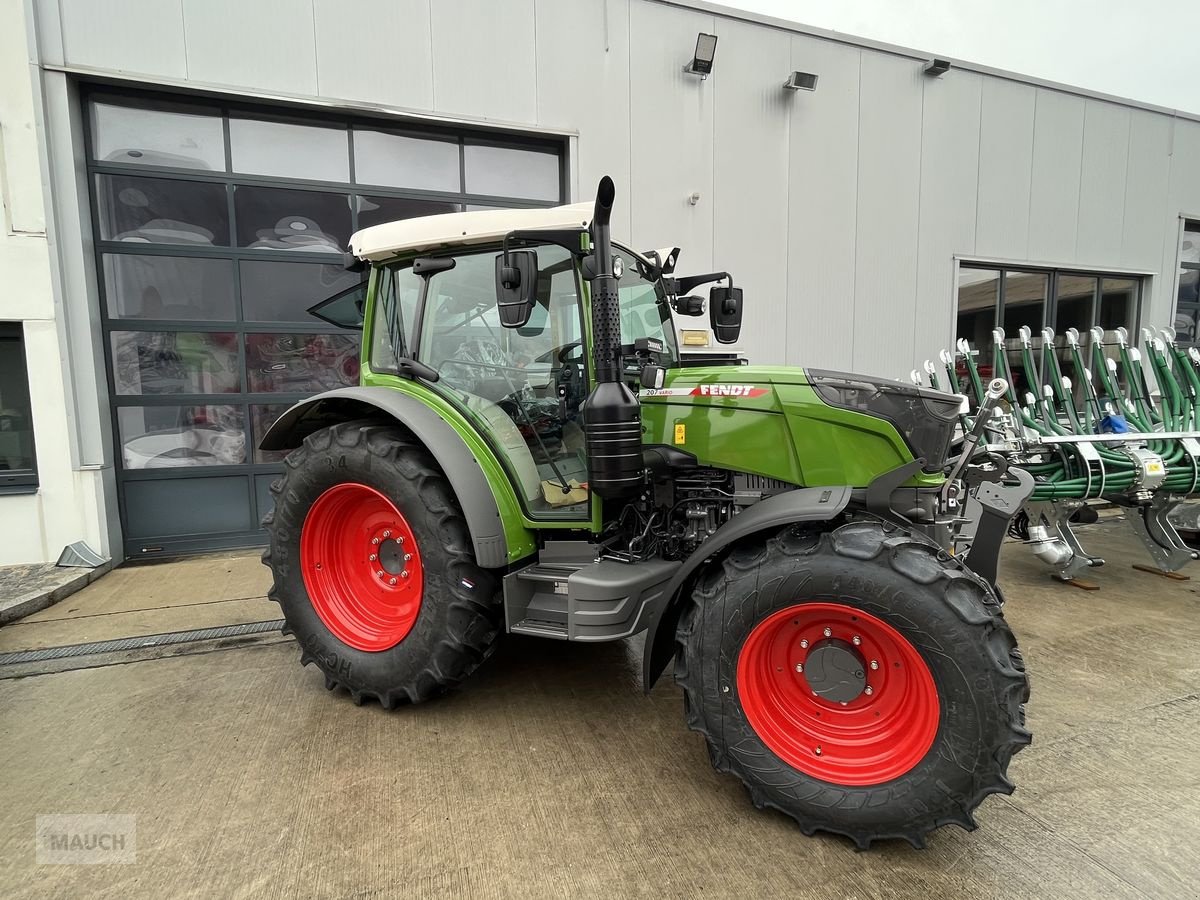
(767, 420)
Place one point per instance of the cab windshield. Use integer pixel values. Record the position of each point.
(645, 312)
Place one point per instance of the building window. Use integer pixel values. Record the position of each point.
(18, 467)
(1187, 309)
(990, 297)
(219, 224)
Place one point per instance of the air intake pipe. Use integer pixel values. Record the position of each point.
(612, 416)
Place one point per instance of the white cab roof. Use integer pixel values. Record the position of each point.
(381, 242)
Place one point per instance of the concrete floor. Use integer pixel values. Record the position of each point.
(551, 775)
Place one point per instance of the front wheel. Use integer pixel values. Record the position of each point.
(859, 680)
(374, 569)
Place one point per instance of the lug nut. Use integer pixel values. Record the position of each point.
(380, 573)
(874, 664)
(391, 581)
(817, 750)
(804, 644)
(845, 703)
(868, 690)
(372, 557)
(407, 557)
(387, 534)
(856, 640)
(827, 632)
(374, 540)
(799, 667)
(404, 573)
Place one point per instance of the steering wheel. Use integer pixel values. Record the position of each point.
(560, 353)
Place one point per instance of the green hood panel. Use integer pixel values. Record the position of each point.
(767, 420)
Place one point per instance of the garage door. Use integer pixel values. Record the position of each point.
(217, 226)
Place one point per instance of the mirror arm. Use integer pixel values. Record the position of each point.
(686, 284)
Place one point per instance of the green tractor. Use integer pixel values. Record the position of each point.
(529, 452)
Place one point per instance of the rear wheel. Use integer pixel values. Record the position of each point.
(374, 567)
(859, 680)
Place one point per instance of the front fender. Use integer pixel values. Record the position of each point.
(802, 505)
(453, 456)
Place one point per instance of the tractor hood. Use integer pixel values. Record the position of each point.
(804, 426)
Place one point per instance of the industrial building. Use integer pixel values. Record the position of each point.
(180, 177)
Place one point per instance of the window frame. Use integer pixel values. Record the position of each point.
(1188, 226)
(1054, 273)
(21, 481)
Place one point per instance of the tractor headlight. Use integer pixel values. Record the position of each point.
(925, 418)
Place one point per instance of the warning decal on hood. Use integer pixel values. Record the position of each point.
(706, 390)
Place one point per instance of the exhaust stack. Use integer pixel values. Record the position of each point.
(612, 416)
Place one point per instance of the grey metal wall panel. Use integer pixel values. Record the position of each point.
(946, 228)
(1102, 183)
(351, 65)
(147, 36)
(484, 59)
(750, 190)
(583, 82)
(671, 122)
(1005, 169)
(268, 45)
(822, 206)
(1145, 223)
(889, 174)
(1057, 159)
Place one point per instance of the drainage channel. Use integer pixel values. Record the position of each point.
(146, 642)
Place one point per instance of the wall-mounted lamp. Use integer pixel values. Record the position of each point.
(936, 68)
(801, 81)
(702, 60)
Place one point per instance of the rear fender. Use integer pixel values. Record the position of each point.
(453, 456)
(815, 504)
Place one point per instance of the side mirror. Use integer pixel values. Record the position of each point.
(516, 286)
(725, 313)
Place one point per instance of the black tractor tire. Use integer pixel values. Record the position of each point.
(948, 615)
(460, 614)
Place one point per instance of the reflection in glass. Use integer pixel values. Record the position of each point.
(262, 417)
(1118, 303)
(283, 291)
(161, 210)
(1189, 249)
(175, 362)
(978, 300)
(289, 151)
(405, 162)
(1187, 312)
(168, 287)
(280, 219)
(1025, 296)
(376, 210)
(301, 363)
(154, 133)
(1075, 296)
(510, 172)
(160, 437)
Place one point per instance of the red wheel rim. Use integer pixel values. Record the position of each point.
(874, 737)
(361, 567)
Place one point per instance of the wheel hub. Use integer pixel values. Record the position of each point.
(392, 556)
(835, 671)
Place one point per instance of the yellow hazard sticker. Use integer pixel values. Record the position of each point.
(681, 433)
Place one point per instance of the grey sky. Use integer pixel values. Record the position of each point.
(1146, 50)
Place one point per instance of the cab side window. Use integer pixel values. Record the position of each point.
(394, 316)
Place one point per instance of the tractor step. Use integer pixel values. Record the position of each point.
(600, 600)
